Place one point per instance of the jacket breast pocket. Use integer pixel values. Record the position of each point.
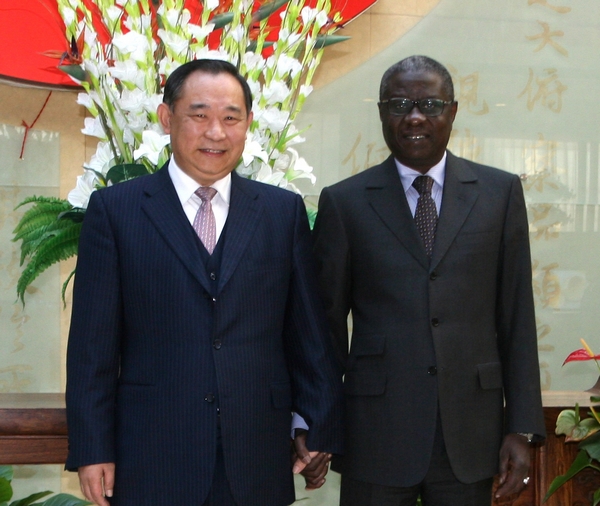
(365, 374)
(490, 375)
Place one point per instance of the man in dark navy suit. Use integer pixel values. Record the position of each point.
(196, 327)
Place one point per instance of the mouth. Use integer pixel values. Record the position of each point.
(415, 137)
(212, 151)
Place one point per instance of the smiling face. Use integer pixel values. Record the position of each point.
(208, 125)
(416, 140)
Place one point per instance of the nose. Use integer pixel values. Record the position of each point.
(415, 115)
(215, 130)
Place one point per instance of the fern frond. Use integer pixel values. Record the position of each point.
(35, 237)
(57, 246)
(39, 215)
(64, 287)
(39, 199)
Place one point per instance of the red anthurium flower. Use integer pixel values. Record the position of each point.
(579, 355)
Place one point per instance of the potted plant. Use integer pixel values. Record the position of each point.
(582, 430)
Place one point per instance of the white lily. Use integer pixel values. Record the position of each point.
(152, 146)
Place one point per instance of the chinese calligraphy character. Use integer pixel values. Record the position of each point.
(560, 9)
(546, 38)
(548, 289)
(546, 219)
(549, 90)
(372, 149)
(468, 89)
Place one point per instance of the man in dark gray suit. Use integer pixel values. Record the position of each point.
(197, 327)
(430, 254)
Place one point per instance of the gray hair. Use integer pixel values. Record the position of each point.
(418, 63)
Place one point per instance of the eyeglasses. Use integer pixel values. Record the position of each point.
(427, 106)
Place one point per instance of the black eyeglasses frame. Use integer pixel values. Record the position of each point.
(417, 103)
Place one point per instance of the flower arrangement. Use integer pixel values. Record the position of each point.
(586, 431)
(122, 51)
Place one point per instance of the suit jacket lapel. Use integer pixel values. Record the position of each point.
(458, 199)
(242, 220)
(163, 208)
(385, 194)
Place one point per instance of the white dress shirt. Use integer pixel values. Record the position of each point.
(185, 187)
(408, 175)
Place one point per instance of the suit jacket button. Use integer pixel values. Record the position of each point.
(213, 276)
(217, 344)
(433, 276)
(435, 322)
(432, 371)
(209, 398)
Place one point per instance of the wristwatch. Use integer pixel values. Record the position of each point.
(527, 435)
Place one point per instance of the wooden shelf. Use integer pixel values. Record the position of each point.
(33, 430)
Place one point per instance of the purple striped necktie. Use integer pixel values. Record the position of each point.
(204, 222)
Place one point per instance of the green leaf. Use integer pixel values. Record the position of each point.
(596, 497)
(64, 288)
(125, 171)
(6, 491)
(75, 71)
(76, 215)
(573, 427)
(312, 216)
(581, 462)
(567, 419)
(65, 500)
(222, 20)
(591, 445)
(6, 472)
(584, 429)
(33, 239)
(42, 213)
(30, 499)
(267, 9)
(328, 40)
(61, 245)
(252, 46)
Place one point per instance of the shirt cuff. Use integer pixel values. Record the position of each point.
(297, 423)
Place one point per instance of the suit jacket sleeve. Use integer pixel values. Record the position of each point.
(316, 379)
(332, 250)
(94, 338)
(516, 325)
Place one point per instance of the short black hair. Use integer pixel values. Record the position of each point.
(418, 63)
(177, 79)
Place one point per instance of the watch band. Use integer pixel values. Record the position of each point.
(527, 435)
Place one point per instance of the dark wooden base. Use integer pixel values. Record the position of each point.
(33, 430)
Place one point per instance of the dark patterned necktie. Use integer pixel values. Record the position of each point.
(426, 216)
(204, 222)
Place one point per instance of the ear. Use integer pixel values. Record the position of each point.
(382, 110)
(164, 116)
(453, 110)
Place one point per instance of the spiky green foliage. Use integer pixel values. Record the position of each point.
(6, 493)
(49, 232)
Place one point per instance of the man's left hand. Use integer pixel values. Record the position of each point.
(515, 458)
(312, 465)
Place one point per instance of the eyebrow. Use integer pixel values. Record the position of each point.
(202, 106)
